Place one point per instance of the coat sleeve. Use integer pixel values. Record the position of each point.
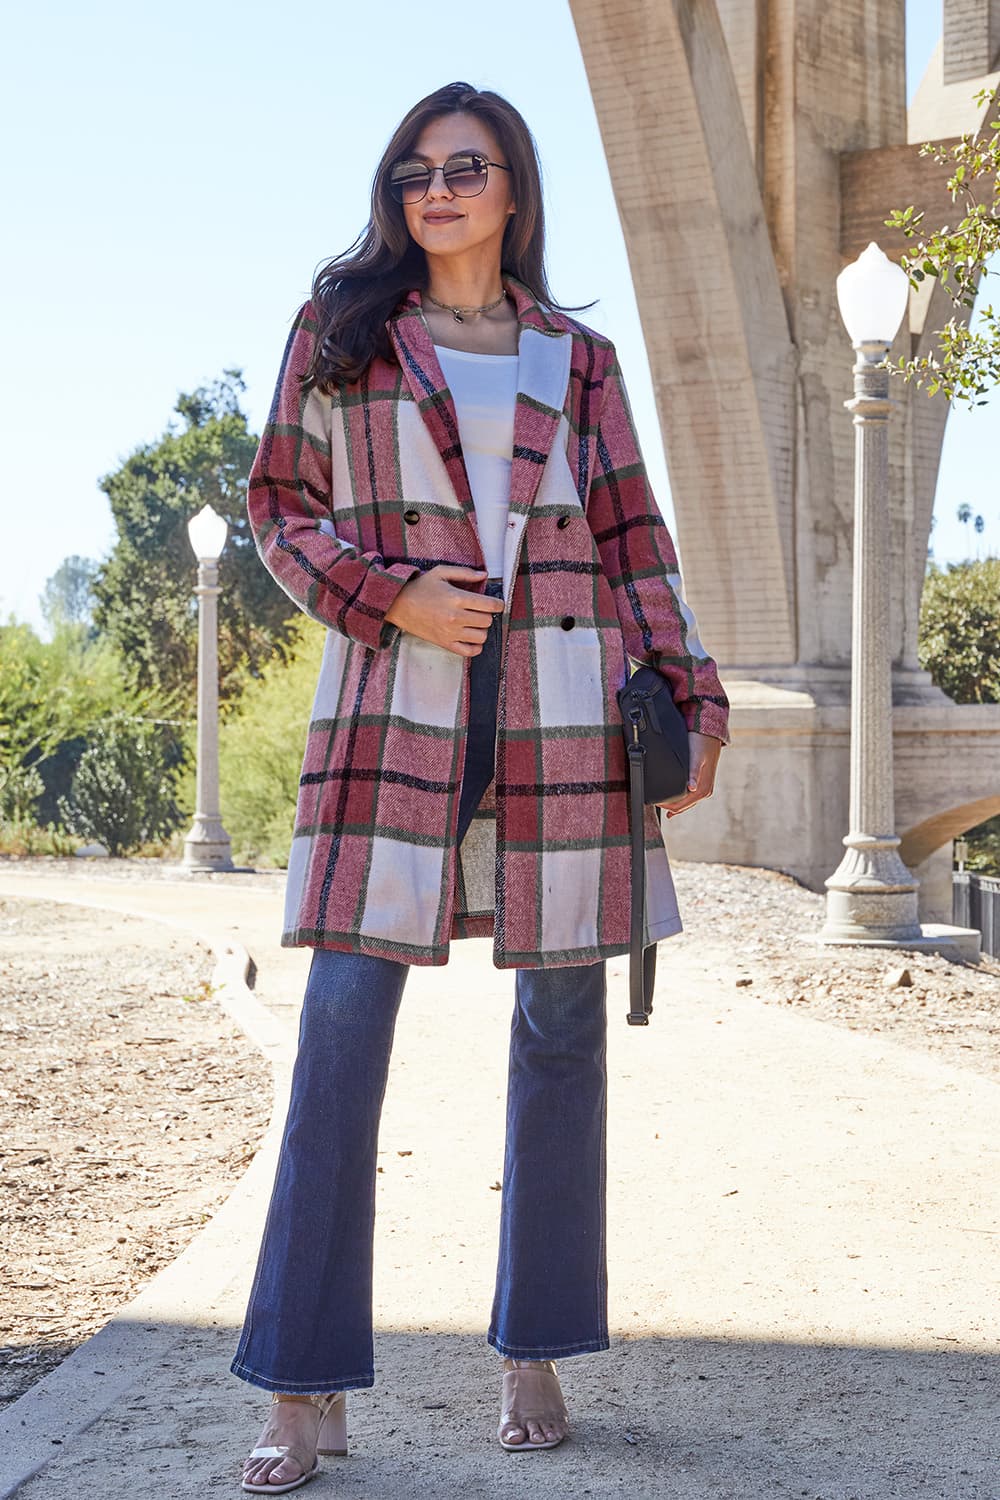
(640, 562)
(289, 504)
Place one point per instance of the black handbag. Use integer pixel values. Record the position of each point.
(656, 740)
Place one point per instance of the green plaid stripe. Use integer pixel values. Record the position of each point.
(350, 497)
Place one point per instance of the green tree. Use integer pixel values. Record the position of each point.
(967, 361)
(123, 790)
(959, 644)
(44, 695)
(69, 594)
(964, 514)
(959, 637)
(144, 592)
(53, 693)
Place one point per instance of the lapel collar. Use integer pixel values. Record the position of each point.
(545, 351)
(422, 372)
(544, 354)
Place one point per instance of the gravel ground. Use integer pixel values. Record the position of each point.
(752, 927)
(129, 1106)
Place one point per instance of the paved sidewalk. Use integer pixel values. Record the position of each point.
(803, 1240)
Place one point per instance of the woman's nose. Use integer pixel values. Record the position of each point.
(444, 184)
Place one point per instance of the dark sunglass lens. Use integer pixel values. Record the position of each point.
(408, 181)
(465, 175)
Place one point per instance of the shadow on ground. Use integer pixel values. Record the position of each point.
(690, 1418)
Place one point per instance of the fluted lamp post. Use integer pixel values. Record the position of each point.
(872, 896)
(207, 845)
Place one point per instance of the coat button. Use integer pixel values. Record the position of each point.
(411, 517)
(567, 622)
(563, 522)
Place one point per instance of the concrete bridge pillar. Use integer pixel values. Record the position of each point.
(755, 146)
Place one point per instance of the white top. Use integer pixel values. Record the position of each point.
(484, 388)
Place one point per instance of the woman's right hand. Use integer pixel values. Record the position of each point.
(435, 607)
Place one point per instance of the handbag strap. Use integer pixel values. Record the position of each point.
(641, 963)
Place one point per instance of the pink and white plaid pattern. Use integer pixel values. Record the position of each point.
(352, 496)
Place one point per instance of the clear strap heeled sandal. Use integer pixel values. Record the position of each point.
(331, 1438)
(531, 1393)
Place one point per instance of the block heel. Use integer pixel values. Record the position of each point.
(332, 1440)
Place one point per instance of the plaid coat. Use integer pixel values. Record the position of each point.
(349, 498)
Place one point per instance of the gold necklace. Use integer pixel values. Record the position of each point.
(457, 312)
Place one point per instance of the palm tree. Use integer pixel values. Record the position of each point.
(964, 514)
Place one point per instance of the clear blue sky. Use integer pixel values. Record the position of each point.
(178, 172)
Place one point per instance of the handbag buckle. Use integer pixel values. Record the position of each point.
(650, 707)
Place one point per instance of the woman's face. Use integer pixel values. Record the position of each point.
(480, 221)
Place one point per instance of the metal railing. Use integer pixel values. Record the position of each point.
(975, 902)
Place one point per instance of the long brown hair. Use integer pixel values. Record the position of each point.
(357, 291)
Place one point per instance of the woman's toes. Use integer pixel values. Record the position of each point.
(267, 1471)
(285, 1472)
(513, 1432)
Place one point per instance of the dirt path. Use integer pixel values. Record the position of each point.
(129, 1105)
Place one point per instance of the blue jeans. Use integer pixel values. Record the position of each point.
(308, 1325)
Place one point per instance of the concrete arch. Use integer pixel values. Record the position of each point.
(920, 842)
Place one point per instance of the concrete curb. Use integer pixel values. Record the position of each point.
(114, 1361)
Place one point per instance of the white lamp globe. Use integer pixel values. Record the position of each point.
(207, 531)
(872, 293)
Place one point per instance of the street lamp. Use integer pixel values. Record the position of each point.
(207, 845)
(872, 896)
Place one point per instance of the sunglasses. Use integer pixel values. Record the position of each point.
(465, 175)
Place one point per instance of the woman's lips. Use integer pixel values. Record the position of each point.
(440, 218)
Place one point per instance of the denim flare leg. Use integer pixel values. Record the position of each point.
(308, 1325)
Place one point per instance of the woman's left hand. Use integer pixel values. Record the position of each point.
(704, 751)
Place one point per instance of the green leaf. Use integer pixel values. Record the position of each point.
(144, 600)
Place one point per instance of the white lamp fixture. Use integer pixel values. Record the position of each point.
(208, 532)
(872, 293)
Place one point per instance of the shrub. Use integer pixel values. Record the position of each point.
(123, 790)
(960, 629)
(23, 837)
(960, 647)
(53, 695)
(20, 790)
(261, 746)
(984, 847)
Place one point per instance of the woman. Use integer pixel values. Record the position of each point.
(450, 481)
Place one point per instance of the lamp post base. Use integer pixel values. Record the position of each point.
(871, 902)
(207, 846)
(871, 896)
(957, 943)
